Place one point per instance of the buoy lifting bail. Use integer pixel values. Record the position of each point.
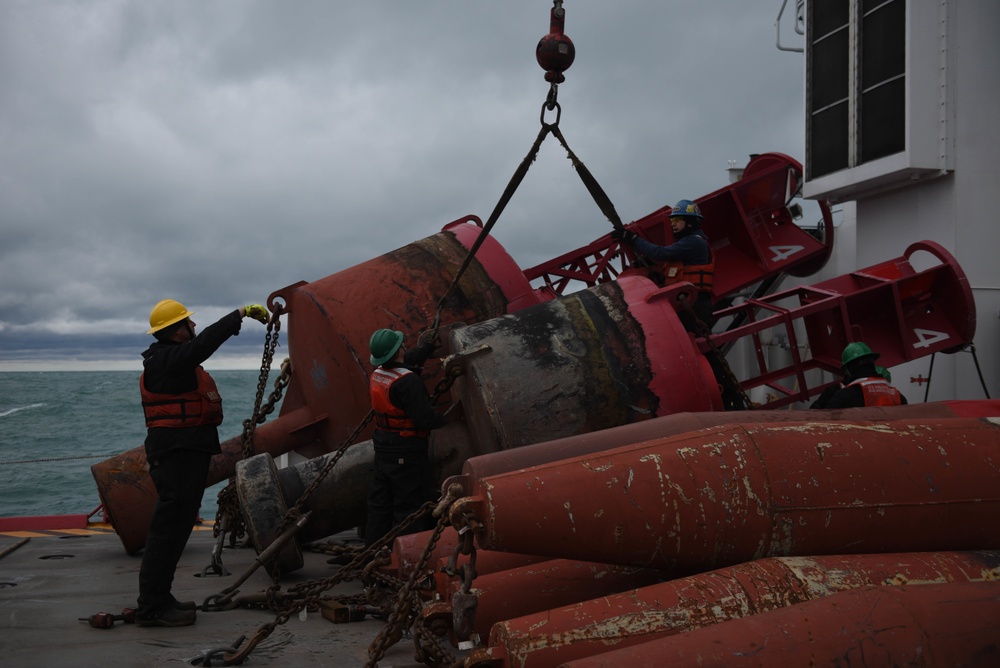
(555, 52)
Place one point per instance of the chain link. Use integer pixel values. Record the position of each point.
(228, 499)
(428, 648)
(327, 468)
(406, 599)
(308, 595)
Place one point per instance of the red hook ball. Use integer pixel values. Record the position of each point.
(555, 53)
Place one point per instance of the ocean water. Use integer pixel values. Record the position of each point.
(54, 425)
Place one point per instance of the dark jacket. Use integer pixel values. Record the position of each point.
(169, 368)
(852, 396)
(410, 394)
(691, 247)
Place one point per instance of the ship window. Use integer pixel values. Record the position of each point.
(856, 83)
(883, 80)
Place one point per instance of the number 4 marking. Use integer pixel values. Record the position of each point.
(926, 337)
(784, 252)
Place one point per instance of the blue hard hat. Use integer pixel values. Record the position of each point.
(686, 209)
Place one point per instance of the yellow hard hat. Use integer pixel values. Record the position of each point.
(165, 313)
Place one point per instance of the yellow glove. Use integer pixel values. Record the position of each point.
(257, 312)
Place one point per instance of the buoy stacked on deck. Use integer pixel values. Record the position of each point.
(735, 494)
(949, 624)
(724, 495)
(642, 622)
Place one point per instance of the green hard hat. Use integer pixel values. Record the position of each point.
(384, 344)
(856, 350)
(882, 371)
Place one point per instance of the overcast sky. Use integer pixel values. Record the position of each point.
(215, 151)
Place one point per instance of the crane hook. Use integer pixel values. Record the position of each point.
(555, 52)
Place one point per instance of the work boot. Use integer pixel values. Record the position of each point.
(168, 617)
(183, 605)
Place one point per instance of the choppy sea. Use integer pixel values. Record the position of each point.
(54, 425)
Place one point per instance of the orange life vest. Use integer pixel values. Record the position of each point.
(701, 276)
(878, 392)
(388, 416)
(201, 406)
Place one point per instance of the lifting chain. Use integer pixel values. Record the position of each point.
(406, 599)
(307, 595)
(428, 647)
(442, 386)
(228, 517)
(315, 589)
(296, 509)
(555, 53)
(338, 552)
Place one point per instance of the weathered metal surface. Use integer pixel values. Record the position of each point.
(595, 359)
(263, 511)
(330, 321)
(672, 425)
(408, 549)
(725, 495)
(612, 622)
(585, 362)
(953, 624)
(487, 562)
(515, 592)
(329, 324)
(127, 491)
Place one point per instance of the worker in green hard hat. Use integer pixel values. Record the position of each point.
(404, 418)
(863, 384)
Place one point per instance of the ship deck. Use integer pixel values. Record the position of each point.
(54, 578)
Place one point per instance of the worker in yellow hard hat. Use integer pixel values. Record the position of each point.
(183, 410)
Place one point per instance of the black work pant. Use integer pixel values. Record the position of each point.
(402, 483)
(179, 478)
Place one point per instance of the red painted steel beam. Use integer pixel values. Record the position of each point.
(748, 223)
(725, 495)
(710, 599)
(900, 311)
(954, 624)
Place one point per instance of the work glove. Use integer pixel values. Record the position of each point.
(257, 312)
(429, 339)
(621, 234)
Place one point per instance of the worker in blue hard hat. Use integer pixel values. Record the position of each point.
(404, 417)
(689, 258)
(183, 409)
(863, 383)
